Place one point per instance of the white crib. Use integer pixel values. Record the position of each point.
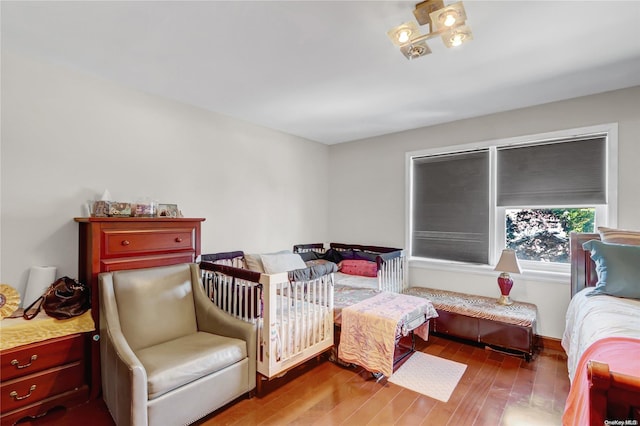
(293, 315)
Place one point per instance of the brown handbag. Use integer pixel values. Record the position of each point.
(65, 298)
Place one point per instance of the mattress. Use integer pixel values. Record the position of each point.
(590, 319)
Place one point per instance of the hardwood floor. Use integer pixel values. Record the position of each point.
(496, 389)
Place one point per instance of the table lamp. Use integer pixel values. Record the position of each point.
(508, 263)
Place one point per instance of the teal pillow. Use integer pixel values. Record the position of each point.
(618, 269)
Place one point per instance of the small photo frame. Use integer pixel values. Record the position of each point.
(145, 209)
(168, 210)
(100, 208)
(119, 209)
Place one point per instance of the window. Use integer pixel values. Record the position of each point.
(542, 235)
(467, 204)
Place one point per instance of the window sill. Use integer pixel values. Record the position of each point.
(527, 274)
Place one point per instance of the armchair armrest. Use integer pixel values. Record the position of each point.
(124, 379)
(214, 320)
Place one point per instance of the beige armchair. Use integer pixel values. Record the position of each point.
(168, 355)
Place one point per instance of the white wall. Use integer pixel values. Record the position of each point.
(67, 136)
(367, 181)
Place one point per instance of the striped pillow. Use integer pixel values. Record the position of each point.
(619, 236)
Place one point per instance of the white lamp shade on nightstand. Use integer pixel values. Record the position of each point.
(508, 262)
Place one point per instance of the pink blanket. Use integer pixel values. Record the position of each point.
(621, 353)
(370, 327)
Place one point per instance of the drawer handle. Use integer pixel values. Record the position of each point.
(125, 242)
(178, 240)
(15, 396)
(18, 366)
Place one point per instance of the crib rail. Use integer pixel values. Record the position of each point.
(391, 274)
(304, 248)
(236, 291)
(229, 258)
(365, 248)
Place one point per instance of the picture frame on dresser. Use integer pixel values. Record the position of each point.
(168, 210)
(107, 244)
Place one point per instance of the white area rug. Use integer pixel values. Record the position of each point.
(429, 375)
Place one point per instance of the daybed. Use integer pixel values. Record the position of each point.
(602, 335)
(263, 297)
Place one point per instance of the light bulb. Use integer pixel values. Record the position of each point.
(403, 36)
(449, 20)
(457, 39)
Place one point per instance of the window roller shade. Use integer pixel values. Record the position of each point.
(559, 173)
(451, 207)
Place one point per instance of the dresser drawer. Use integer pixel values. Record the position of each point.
(28, 359)
(26, 390)
(134, 242)
(123, 263)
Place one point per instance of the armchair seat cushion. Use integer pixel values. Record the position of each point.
(175, 363)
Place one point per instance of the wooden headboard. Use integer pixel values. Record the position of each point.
(583, 269)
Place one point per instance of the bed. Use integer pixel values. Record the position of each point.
(244, 287)
(602, 334)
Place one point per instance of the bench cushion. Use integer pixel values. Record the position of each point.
(175, 363)
(523, 314)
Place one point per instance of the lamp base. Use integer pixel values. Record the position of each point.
(505, 283)
(505, 300)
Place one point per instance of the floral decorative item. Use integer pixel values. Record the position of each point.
(9, 300)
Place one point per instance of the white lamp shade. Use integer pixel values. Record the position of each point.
(508, 262)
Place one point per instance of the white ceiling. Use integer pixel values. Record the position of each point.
(325, 70)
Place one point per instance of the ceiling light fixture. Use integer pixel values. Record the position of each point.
(447, 22)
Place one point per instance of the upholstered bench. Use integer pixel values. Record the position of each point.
(481, 319)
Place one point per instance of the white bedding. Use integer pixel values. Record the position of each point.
(592, 318)
(355, 281)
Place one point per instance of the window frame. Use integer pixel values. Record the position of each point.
(606, 215)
